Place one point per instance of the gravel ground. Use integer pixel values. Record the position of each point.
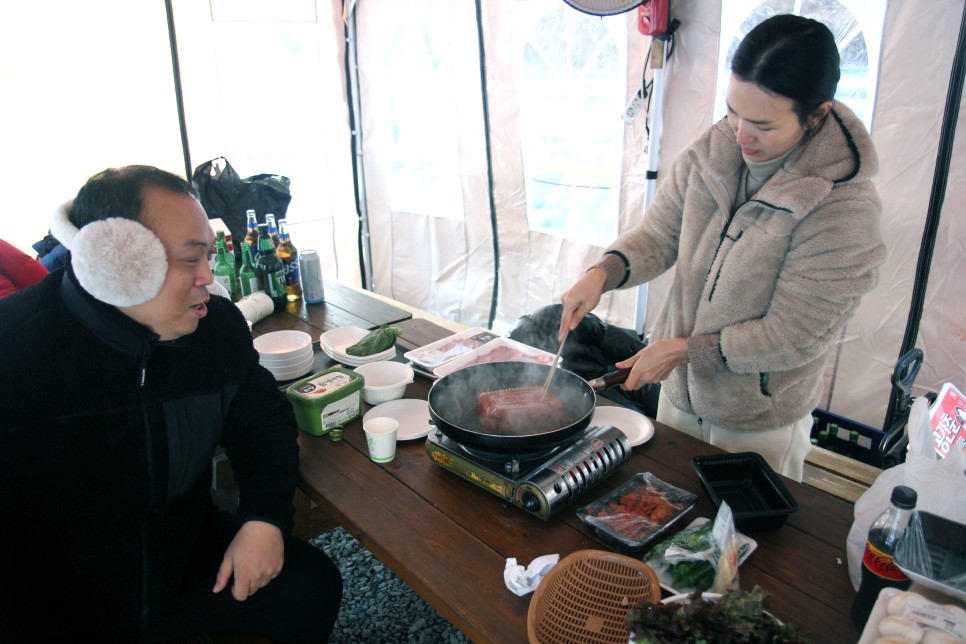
(377, 606)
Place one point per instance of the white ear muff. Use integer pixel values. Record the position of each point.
(118, 261)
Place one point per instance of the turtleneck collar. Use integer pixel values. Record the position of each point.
(759, 172)
(103, 320)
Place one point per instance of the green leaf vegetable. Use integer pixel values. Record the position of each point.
(739, 616)
(375, 342)
(692, 564)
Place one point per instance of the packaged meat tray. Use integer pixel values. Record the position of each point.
(499, 350)
(442, 351)
(638, 511)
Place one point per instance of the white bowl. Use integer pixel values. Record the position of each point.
(285, 360)
(283, 343)
(384, 380)
(290, 373)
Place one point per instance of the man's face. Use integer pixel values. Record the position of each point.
(181, 224)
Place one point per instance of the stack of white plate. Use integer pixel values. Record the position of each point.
(335, 342)
(287, 354)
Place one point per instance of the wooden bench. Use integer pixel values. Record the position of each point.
(838, 475)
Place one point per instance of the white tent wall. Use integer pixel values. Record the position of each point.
(77, 94)
(536, 267)
(90, 85)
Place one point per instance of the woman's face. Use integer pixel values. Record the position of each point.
(765, 124)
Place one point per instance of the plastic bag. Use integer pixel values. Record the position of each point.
(688, 560)
(225, 195)
(939, 483)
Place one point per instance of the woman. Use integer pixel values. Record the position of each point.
(772, 222)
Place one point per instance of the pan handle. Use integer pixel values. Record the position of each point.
(609, 379)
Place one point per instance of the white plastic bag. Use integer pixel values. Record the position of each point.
(940, 485)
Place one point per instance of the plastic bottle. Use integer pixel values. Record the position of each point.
(878, 568)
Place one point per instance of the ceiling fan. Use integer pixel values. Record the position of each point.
(604, 7)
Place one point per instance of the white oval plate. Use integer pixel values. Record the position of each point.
(637, 427)
(411, 413)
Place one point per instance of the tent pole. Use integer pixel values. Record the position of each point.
(936, 198)
(657, 62)
(178, 96)
(358, 167)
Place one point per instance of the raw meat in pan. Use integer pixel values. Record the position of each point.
(519, 409)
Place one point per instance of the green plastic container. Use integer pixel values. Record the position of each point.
(326, 400)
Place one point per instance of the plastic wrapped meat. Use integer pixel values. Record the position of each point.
(518, 409)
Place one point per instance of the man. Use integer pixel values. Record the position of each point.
(121, 376)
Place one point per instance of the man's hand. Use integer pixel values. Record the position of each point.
(254, 557)
(654, 362)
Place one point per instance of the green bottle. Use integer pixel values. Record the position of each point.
(225, 269)
(833, 437)
(247, 277)
(270, 271)
(853, 451)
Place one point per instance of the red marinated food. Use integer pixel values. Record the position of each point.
(507, 411)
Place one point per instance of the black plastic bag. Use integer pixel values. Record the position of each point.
(225, 195)
(591, 351)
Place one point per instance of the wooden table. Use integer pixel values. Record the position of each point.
(449, 540)
(343, 306)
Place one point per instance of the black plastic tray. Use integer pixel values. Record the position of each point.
(757, 497)
(946, 542)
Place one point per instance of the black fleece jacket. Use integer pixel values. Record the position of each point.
(106, 438)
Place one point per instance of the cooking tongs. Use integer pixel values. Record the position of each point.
(553, 367)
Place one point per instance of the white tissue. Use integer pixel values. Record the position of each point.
(522, 581)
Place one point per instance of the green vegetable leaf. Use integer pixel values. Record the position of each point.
(375, 342)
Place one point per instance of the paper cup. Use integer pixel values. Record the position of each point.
(381, 438)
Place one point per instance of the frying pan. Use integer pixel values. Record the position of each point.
(452, 404)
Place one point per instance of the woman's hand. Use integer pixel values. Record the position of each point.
(581, 299)
(254, 557)
(654, 362)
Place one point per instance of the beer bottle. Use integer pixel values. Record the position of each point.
(853, 449)
(224, 271)
(290, 260)
(268, 267)
(247, 278)
(272, 229)
(833, 437)
(878, 568)
(252, 235)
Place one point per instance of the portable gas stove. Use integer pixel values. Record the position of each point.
(539, 482)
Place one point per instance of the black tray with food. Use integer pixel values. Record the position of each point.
(756, 495)
(638, 511)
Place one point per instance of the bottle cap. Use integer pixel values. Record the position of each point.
(904, 497)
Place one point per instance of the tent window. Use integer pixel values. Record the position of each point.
(573, 89)
(856, 24)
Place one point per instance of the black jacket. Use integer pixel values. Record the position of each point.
(106, 438)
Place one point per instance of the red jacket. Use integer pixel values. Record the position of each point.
(17, 269)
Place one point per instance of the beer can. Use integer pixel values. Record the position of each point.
(310, 267)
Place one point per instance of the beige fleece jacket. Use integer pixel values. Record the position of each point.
(762, 297)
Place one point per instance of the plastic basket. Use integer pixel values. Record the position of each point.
(586, 597)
